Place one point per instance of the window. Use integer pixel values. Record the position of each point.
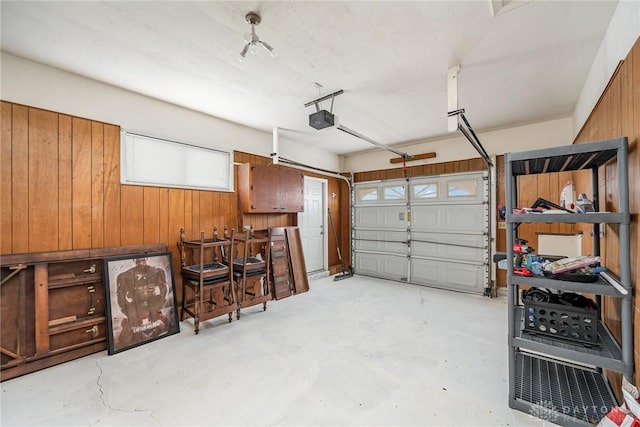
(367, 194)
(395, 192)
(146, 160)
(425, 191)
(463, 188)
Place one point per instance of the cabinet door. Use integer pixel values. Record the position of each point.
(291, 191)
(264, 189)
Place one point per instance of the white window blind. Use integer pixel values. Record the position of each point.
(147, 160)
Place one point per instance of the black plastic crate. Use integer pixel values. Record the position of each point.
(562, 322)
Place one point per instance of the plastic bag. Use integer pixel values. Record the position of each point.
(627, 415)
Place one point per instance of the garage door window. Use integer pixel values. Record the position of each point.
(464, 188)
(425, 191)
(368, 194)
(395, 192)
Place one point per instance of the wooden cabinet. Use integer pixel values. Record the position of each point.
(270, 189)
(52, 306)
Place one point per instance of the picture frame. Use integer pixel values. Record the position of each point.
(141, 300)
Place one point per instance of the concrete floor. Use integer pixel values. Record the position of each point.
(360, 351)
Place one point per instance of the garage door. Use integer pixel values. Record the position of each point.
(429, 231)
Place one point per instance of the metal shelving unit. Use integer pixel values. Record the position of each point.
(554, 379)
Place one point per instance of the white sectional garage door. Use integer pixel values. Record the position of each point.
(429, 231)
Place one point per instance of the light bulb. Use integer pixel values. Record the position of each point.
(243, 53)
(252, 48)
(247, 37)
(271, 50)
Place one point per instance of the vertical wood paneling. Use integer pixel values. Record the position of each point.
(65, 183)
(165, 235)
(229, 206)
(132, 215)
(81, 150)
(206, 212)
(112, 186)
(195, 214)
(563, 179)
(97, 185)
(543, 188)
(176, 222)
(151, 212)
(616, 114)
(5, 178)
(20, 179)
(217, 213)
(188, 214)
(43, 180)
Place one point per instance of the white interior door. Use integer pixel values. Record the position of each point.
(312, 225)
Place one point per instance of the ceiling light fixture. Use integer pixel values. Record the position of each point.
(252, 38)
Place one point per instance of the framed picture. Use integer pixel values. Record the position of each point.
(141, 300)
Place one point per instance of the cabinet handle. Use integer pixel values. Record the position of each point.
(91, 289)
(91, 269)
(92, 310)
(93, 330)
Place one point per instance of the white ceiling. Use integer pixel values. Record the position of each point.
(525, 64)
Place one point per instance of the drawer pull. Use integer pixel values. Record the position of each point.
(93, 330)
(91, 269)
(91, 288)
(91, 310)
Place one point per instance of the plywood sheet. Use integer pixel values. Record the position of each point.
(296, 256)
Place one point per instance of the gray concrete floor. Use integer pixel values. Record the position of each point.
(360, 351)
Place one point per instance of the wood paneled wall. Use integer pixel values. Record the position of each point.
(617, 113)
(60, 190)
(459, 166)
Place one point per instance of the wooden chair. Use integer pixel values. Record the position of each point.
(208, 279)
(251, 273)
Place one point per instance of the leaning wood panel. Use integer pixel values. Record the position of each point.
(43, 180)
(151, 222)
(81, 183)
(131, 216)
(97, 185)
(281, 276)
(296, 258)
(20, 179)
(111, 201)
(5, 178)
(65, 184)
